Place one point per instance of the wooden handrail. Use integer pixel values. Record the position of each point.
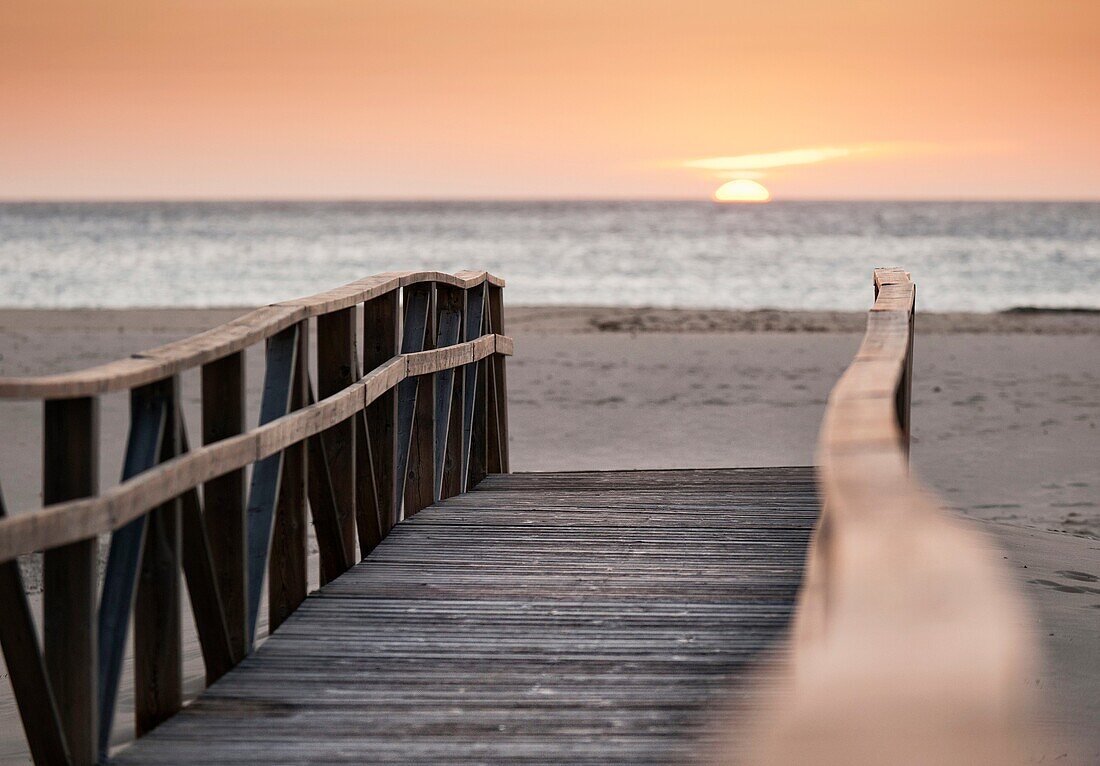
(74, 520)
(369, 449)
(242, 332)
(910, 645)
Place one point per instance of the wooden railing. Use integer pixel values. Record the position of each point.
(427, 420)
(911, 644)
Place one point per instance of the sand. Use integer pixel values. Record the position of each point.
(1006, 415)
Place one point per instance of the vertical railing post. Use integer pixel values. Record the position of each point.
(223, 416)
(26, 668)
(281, 381)
(450, 302)
(906, 409)
(287, 580)
(71, 470)
(158, 657)
(420, 468)
(414, 404)
(381, 333)
(498, 394)
(337, 361)
(478, 402)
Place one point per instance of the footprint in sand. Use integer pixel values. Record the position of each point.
(1079, 576)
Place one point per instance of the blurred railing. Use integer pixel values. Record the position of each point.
(910, 644)
(427, 420)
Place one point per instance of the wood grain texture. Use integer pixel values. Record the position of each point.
(71, 469)
(144, 444)
(173, 358)
(26, 668)
(158, 650)
(911, 645)
(337, 368)
(287, 575)
(223, 416)
(381, 327)
(581, 618)
(69, 521)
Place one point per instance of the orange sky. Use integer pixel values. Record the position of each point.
(559, 98)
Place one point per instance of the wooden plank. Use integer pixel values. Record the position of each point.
(287, 579)
(473, 323)
(337, 365)
(71, 469)
(448, 396)
(148, 422)
(263, 492)
(158, 653)
(380, 343)
(416, 331)
(478, 466)
(463, 641)
(223, 416)
(498, 389)
(26, 669)
(202, 582)
(420, 473)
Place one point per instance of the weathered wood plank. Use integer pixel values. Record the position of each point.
(158, 652)
(223, 416)
(448, 396)
(337, 368)
(472, 325)
(498, 391)
(287, 575)
(26, 668)
(380, 343)
(263, 493)
(472, 636)
(411, 396)
(148, 422)
(70, 470)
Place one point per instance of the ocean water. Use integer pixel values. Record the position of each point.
(972, 256)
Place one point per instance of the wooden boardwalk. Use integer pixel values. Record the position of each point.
(473, 616)
(560, 618)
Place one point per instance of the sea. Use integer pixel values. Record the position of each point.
(964, 256)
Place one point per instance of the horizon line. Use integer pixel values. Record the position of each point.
(513, 199)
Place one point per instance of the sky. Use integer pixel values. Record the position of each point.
(890, 99)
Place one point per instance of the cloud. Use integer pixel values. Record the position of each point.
(751, 165)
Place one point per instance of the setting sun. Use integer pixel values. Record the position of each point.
(742, 190)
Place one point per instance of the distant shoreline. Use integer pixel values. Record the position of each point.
(1028, 320)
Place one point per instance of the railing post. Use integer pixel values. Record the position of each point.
(498, 394)
(451, 303)
(381, 330)
(70, 471)
(281, 382)
(223, 416)
(478, 459)
(337, 361)
(906, 410)
(287, 572)
(158, 684)
(26, 669)
(415, 409)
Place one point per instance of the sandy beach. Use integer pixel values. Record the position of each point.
(1006, 425)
